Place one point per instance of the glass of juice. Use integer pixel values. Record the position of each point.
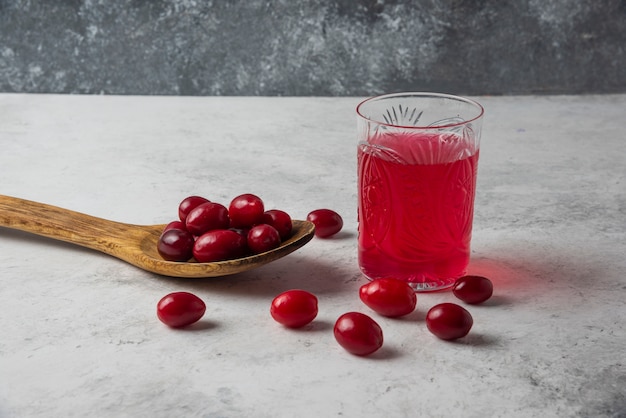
(417, 166)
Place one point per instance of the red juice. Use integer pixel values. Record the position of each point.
(416, 206)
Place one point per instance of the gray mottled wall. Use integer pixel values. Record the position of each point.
(314, 47)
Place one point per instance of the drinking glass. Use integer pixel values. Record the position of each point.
(417, 167)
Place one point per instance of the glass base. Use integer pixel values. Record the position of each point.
(424, 276)
(424, 284)
(433, 286)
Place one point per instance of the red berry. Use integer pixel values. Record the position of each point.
(206, 217)
(449, 321)
(262, 238)
(180, 309)
(473, 289)
(279, 220)
(358, 333)
(294, 308)
(175, 225)
(327, 222)
(219, 245)
(175, 245)
(188, 204)
(245, 211)
(389, 297)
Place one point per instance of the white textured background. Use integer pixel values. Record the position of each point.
(80, 335)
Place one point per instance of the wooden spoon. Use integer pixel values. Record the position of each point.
(135, 244)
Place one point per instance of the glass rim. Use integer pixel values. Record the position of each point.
(481, 109)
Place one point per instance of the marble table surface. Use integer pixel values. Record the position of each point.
(80, 336)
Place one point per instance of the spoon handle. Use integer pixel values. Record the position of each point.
(63, 224)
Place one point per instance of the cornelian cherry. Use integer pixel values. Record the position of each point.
(188, 204)
(219, 245)
(389, 297)
(175, 245)
(206, 217)
(358, 334)
(280, 220)
(294, 308)
(449, 321)
(473, 289)
(327, 222)
(180, 309)
(175, 225)
(263, 238)
(245, 211)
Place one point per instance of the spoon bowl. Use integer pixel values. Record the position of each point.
(135, 244)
